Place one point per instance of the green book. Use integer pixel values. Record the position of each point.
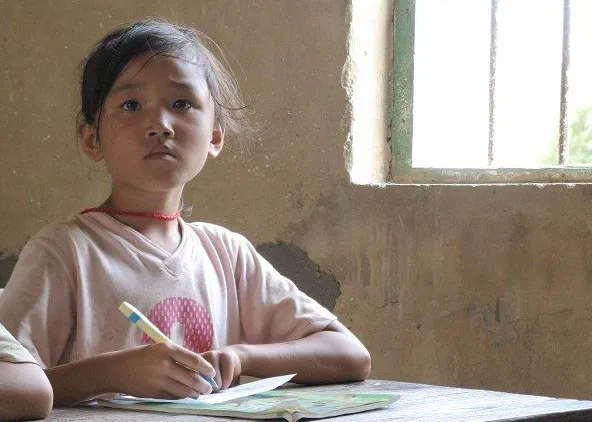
(289, 404)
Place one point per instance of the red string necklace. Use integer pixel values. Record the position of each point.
(115, 211)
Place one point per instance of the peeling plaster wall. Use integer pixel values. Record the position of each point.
(472, 286)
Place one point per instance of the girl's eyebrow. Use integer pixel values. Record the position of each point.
(126, 87)
(184, 85)
(133, 86)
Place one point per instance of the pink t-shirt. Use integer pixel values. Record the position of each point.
(62, 299)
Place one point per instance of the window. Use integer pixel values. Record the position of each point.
(492, 91)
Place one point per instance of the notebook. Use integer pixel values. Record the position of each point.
(260, 400)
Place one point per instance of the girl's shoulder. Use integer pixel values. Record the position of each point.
(218, 234)
(73, 230)
(60, 230)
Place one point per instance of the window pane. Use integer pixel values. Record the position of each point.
(451, 83)
(580, 83)
(528, 80)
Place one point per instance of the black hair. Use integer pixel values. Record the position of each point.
(112, 54)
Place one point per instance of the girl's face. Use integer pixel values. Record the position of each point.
(157, 125)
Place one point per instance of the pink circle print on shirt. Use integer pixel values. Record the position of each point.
(184, 321)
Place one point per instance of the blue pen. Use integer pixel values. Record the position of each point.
(151, 330)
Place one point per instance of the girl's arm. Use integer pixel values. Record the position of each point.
(162, 370)
(25, 392)
(330, 356)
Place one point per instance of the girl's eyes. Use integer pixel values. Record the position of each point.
(133, 105)
(130, 105)
(182, 104)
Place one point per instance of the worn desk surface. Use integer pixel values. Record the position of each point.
(418, 402)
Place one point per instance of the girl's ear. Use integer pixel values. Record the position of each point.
(89, 141)
(217, 141)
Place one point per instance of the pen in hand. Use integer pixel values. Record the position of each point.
(151, 330)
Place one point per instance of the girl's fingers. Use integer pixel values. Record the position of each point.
(214, 360)
(186, 382)
(192, 361)
(226, 365)
(177, 390)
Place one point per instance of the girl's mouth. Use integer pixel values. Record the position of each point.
(159, 154)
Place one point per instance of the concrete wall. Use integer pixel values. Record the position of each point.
(471, 286)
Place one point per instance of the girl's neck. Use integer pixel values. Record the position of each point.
(140, 215)
(143, 214)
(156, 203)
(161, 227)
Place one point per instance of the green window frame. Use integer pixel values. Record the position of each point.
(402, 170)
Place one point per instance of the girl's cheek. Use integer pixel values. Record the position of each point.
(122, 120)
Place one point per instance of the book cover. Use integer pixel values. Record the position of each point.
(290, 404)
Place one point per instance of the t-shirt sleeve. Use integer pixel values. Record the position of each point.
(36, 305)
(11, 350)
(272, 308)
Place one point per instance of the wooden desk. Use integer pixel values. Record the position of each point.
(418, 402)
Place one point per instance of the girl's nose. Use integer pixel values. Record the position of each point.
(159, 126)
(159, 133)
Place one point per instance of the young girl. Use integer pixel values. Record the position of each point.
(156, 104)
(25, 391)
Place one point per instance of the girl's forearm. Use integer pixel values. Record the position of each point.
(83, 380)
(328, 356)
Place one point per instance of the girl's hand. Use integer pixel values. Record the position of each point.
(227, 364)
(162, 370)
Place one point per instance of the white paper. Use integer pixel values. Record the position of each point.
(243, 390)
